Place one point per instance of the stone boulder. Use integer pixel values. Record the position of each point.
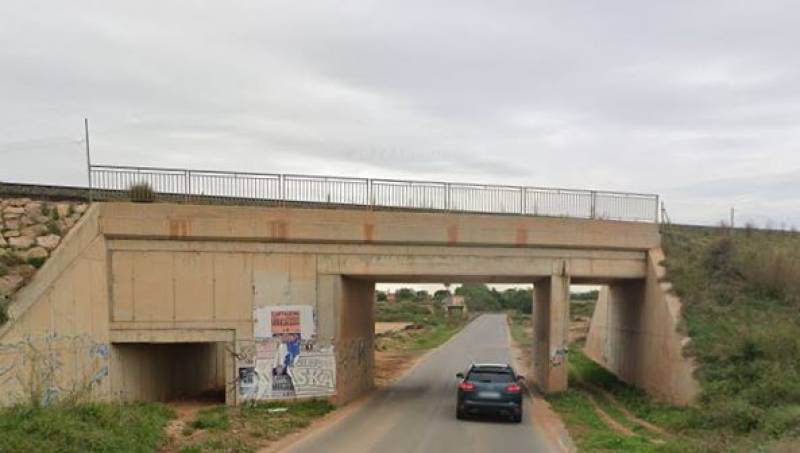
(19, 202)
(3, 242)
(10, 283)
(63, 209)
(21, 242)
(26, 271)
(11, 233)
(33, 209)
(12, 224)
(13, 210)
(49, 242)
(33, 231)
(36, 253)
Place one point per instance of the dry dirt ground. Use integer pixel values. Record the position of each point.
(383, 327)
(547, 419)
(185, 413)
(390, 365)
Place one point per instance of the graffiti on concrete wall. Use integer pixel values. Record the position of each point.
(288, 359)
(51, 367)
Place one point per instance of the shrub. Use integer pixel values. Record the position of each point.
(52, 227)
(740, 290)
(783, 420)
(142, 193)
(36, 262)
(215, 418)
(10, 259)
(3, 310)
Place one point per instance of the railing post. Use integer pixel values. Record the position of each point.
(658, 203)
(594, 204)
(370, 201)
(447, 195)
(187, 185)
(282, 188)
(522, 200)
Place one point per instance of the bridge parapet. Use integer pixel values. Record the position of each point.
(190, 185)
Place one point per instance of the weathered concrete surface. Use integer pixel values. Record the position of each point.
(131, 220)
(57, 339)
(550, 328)
(131, 276)
(634, 333)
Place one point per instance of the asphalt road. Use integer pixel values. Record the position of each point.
(417, 413)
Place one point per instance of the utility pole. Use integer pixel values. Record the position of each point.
(733, 217)
(88, 157)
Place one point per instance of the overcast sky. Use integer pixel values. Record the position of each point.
(696, 101)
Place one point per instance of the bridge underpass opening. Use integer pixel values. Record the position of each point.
(550, 320)
(170, 371)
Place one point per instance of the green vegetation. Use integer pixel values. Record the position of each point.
(141, 193)
(37, 262)
(741, 296)
(430, 325)
(479, 297)
(52, 226)
(409, 311)
(91, 427)
(246, 428)
(212, 418)
(3, 311)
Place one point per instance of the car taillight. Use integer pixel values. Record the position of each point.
(466, 386)
(513, 388)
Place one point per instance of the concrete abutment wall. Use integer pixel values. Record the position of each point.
(634, 334)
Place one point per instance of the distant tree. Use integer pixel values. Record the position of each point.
(441, 295)
(381, 296)
(586, 295)
(405, 294)
(478, 297)
(517, 299)
(422, 296)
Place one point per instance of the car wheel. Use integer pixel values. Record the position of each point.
(459, 414)
(516, 418)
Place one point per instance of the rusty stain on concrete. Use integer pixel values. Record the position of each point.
(369, 232)
(278, 230)
(452, 234)
(178, 228)
(522, 236)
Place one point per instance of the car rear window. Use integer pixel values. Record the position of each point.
(495, 377)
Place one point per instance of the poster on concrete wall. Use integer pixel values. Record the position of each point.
(289, 360)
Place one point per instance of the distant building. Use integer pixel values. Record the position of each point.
(456, 306)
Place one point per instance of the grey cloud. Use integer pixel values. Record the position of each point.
(697, 101)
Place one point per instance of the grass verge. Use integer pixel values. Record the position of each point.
(420, 337)
(90, 427)
(247, 428)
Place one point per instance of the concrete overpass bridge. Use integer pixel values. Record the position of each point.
(182, 297)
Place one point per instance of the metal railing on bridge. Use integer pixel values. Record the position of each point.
(189, 185)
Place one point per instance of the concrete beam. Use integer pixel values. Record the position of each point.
(195, 222)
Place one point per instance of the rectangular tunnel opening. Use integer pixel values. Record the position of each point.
(170, 371)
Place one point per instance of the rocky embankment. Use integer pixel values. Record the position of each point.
(29, 232)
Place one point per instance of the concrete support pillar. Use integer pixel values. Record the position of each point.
(550, 330)
(346, 315)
